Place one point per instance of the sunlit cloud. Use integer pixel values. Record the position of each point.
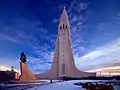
(107, 69)
(114, 70)
(5, 68)
(104, 56)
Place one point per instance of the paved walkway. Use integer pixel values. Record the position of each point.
(68, 85)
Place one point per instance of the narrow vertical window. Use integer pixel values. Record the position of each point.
(60, 27)
(66, 26)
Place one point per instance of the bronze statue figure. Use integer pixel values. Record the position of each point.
(23, 57)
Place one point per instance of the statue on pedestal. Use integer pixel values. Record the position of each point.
(26, 74)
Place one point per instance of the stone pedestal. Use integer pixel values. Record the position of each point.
(26, 74)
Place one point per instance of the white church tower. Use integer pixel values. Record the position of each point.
(65, 57)
(63, 61)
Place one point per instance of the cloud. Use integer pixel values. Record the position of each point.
(104, 56)
(20, 30)
(78, 6)
(5, 68)
(55, 20)
(107, 71)
(40, 65)
(18, 38)
(77, 19)
(9, 38)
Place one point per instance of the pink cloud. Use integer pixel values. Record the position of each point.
(9, 38)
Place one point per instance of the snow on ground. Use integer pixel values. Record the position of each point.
(67, 85)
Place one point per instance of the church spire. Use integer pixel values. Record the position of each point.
(64, 19)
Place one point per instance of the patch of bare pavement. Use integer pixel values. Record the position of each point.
(28, 84)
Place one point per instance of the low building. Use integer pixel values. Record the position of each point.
(8, 75)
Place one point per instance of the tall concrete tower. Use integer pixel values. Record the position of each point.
(63, 61)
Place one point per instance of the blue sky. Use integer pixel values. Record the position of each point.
(32, 25)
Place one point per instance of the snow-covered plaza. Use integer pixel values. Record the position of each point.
(67, 85)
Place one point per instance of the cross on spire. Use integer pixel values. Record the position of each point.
(64, 7)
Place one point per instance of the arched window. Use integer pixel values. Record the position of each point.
(60, 27)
